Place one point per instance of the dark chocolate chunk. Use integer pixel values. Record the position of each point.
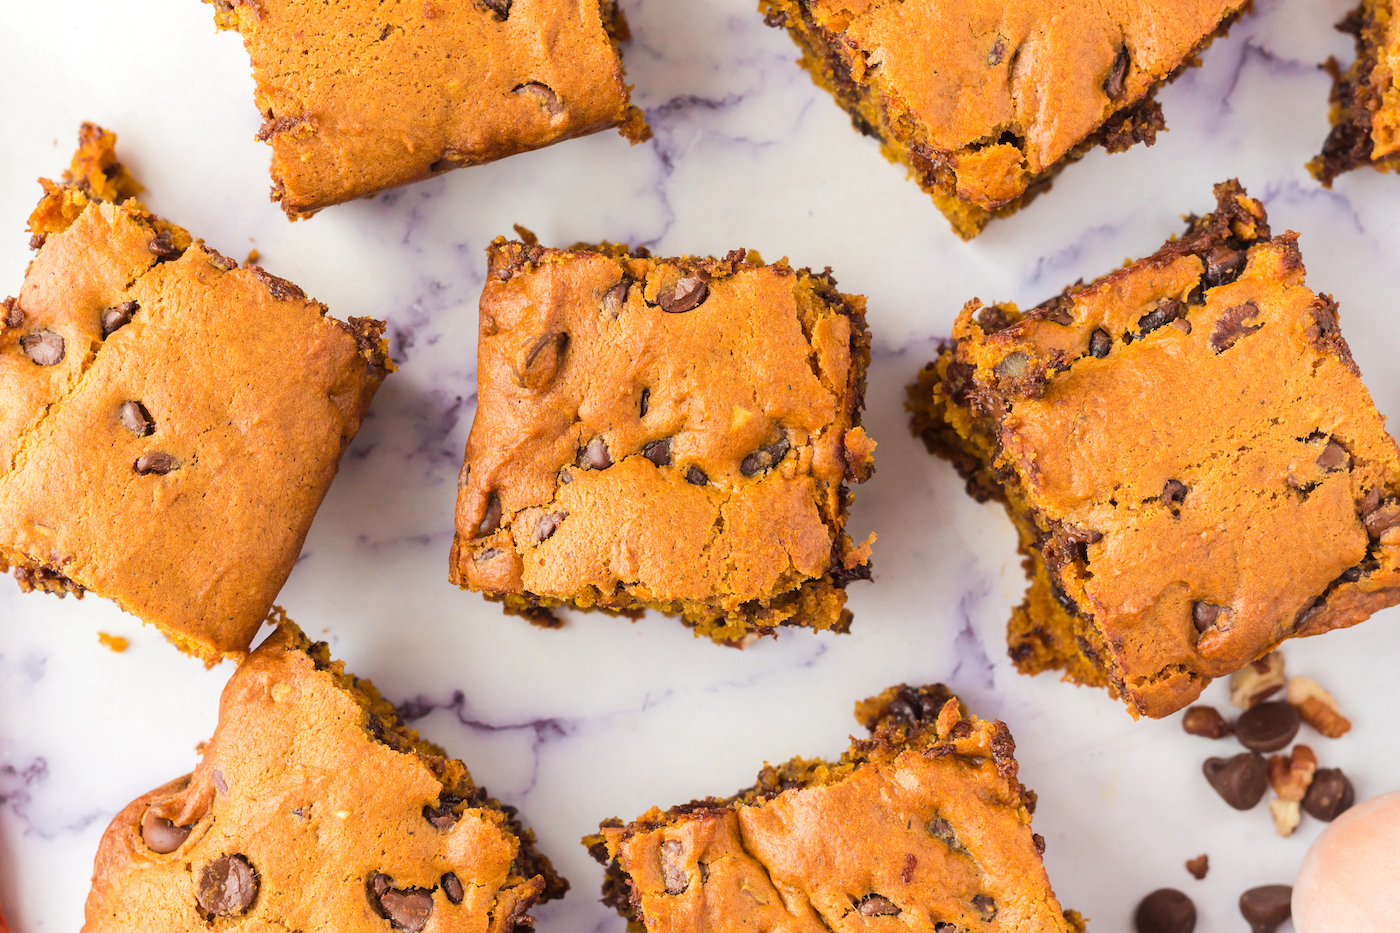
(646, 399)
(14, 314)
(543, 362)
(1240, 780)
(1100, 343)
(1057, 309)
(1038, 841)
(492, 519)
(117, 316)
(764, 458)
(137, 419)
(227, 886)
(696, 476)
(547, 524)
(595, 455)
(1207, 616)
(1333, 457)
(1329, 795)
(44, 347)
(162, 835)
(1164, 313)
(162, 245)
(1198, 866)
(1267, 727)
(689, 292)
(444, 815)
(942, 830)
(407, 909)
(658, 452)
(452, 887)
(543, 93)
(672, 851)
(616, 297)
(986, 907)
(500, 7)
(1267, 907)
(876, 905)
(1382, 517)
(1182, 325)
(155, 461)
(1231, 327)
(1174, 492)
(1205, 721)
(1165, 910)
(1223, 264)
(1115, 82)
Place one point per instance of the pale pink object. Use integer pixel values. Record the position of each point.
(1350, 879)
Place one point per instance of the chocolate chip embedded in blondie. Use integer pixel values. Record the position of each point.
(673, 434)
(1190, 457)
(923, 824)
(985, 102)
(1365, 97)
(315, 808)
(170, 421)
(359, 95)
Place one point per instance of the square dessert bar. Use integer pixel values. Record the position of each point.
(985, 102)
(671, 434)
(358, 96)
(1365, 97)
(169, 422)
(923, 826)
(1188, 453)
(315, 808)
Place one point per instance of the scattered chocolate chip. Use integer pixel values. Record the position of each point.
(1207, 615)
(646, 399)
(1205, 721)
(1223, 264)
(994, 318)
(985, 906)
(658, 452)
(500, 7)
(1267, 727)
(117, 317)
(696, 476)
(1100, 343)
(1057, 309)
(1329, 795)
(1165, 910)
(1038, 841)
(689, 292)
(452, 887)
(942, 830)
(764, 458)
(1198, 866)
(1333, 457)
(227, 886)
(1164, 313)
(161, 835)
(14, 314)
(155, 461)
(616, 297)
(279, 288)
(44, 347)
(1115, 82)
(162, 246)
(1174, 492)
(998, 52)
(544, 94)
(1231, 327)
(547, 524)
(1267, 907)
(37, 240)
(1240, 780)
(407, 909)
(595, 455)
(137, 419)
(492, 519)
(672, 851)
(543, 362)
(1182, 325)
(1382, 517)
(875, 905)
(444, 816)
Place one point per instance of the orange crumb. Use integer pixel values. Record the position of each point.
(116, 642)
(253, 256)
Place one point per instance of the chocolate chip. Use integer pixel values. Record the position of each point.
(764, 458)
(998, 52)
(1198, 866)
(155, 461)
(1057, 309)
(278, 288)
(1382, 516)
(218, 777)
(1223, 264)
(875, 905)
(1174, 492)
(1205, 721)
(595, 455)
(14, 314)
(1240, 780)
(1207, 616)
(162, 245)
(1267, 727)
(1165, 910)
(672, 851)
(227, 886)
(646, 398)
(1164, 313)
(696, 476)
(452, 887)
(544, 94)
(44, 347)
(1267, 907)
(658, 452)
(1231, 327)
(500, 7)
(405, 909)
(547, 524)
(161, 835)
(492, 519)
(543, 362)
(1329, 795)
(1333, 457)
(942, 830)
(1013, 365)
(444, 816)
(1038, 841)
(117, 317)
(137, 419)
(1182, 325)
(689, 292)
(1100, 343)
(616, 297)
(1115, 82)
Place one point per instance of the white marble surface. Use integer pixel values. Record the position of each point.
(606, 717)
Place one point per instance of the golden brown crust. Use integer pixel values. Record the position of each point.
(984, 101)
(1366, 97)
(357, 97)
(312, 780)
(247, 387)
(694, 460)
(1192, 461)
(921, 825)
